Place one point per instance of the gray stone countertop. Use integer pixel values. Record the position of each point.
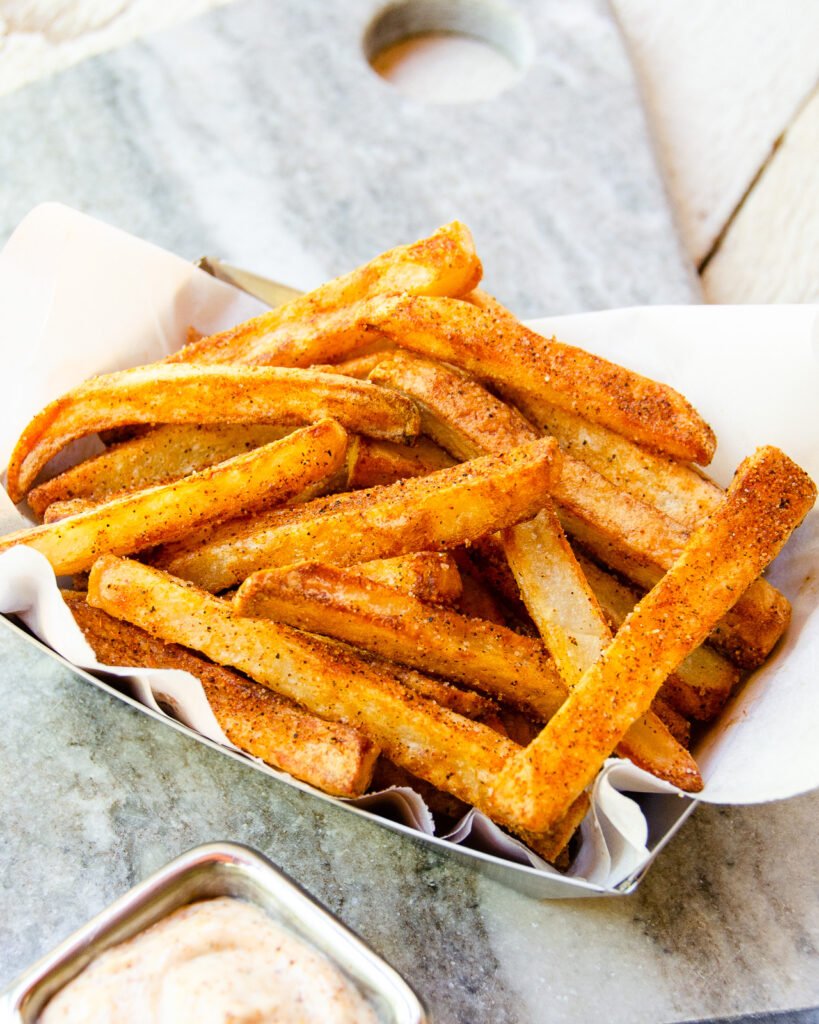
(258, 133)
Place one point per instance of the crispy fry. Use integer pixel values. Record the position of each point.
(346, 605)
(335, 758)
(161, 455)
(206, 394)
(259, 478)
(621, 530)
(502, 350)
(450, 752)
(360, 366)
(768, 498)
(372, 463)
(642, 543)
(701, 685)
(447, 508)
(431, 576)
(58, 510)
(680, 491)
(443, 264)
(464, 417)
(456, 412)
(490, 658)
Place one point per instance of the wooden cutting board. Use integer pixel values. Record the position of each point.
(258, 132)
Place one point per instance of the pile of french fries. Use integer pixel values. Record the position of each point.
(397, 535)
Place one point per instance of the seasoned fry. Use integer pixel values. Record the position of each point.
(769, 497)
(443, 264)
(58, 510)
(164, 454)
(360, 366)
(451, 507)
(701, 685)
(206, 394)
(431, 576)
(456, 412)
(492, 659)
(464, 417)
(259, 478)
(372, 463)
(622, 531)
(676, 489)
(642, 543)
(450, 752)
(502, 350)
(344, 604)
(335, 758)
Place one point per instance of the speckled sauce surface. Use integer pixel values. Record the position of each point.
(259, 134)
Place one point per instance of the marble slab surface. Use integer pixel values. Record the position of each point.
(259, 134)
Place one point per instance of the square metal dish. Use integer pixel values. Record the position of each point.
(206, 872)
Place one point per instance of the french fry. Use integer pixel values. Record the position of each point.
(502, 350)
(372, 463)
(259, 478)
(336, 758)
(624, 532)
(346, 605)
(678, 490)
(642, 543)
(701, 685)
(490, 658)
(163, 454)
(464, 417)
(206, 394)
(360, 366)
(451, 507)
(769, 497)
(58, 510)
(431, 576)
(452, 753)
(443, 264)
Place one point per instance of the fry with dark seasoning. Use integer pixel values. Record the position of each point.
(768, 498)
(451, 507)
(206, 394)
(445, 263)
(335, 758)
(238, 486)
(454, 754)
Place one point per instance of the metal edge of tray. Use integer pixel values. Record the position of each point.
(528, 881)
(206, 872)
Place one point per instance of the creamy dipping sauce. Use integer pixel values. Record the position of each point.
(221, 961)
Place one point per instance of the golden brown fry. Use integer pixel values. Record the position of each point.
(456, 412)
(451, 507)
(206, 394)
(443, 264)
(621, 530)
(163, 454)
(335, 758)
(372, 463)
(502, 350)
(488, 657)
(259, 478)
(344, 604)
(431, 576)
(642, 543)
(58, 510)
(701, 685)
(360, 366)
(464, 417)
(450, 752)
(769, 497)
(678, 490)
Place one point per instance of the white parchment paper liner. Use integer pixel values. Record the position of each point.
(78, 297)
